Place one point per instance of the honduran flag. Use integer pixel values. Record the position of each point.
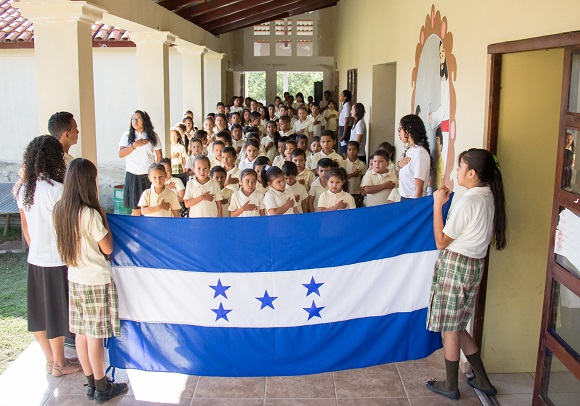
(274, 296)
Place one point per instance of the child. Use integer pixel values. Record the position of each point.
(216, 158)
(221, 123)
(247, 202)
(259, 165)
(268, 140)
(202, 194)
(302, 143)
(237, 141)
(277, 199)
(314, 149)
(305, 176)
(327, 145)
(292, 116)
(296, 189)
(196, 148)
(355, 168)
(178, 153)
(256, 121)
(303, 125)
(391, 150)
(84, 241)
(272, 112)
(225, 137)
(37, 191)
(280, 159)
(337, 196)
(158, 201)
(171, 182)
(318, 121)
(232, 181)
(285, 128)
(320, 185)
(331, 116)
(377, 184)
(218, 173)
(289, 146)
(251, 148)
(478, 218)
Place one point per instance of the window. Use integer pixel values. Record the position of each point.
(283, 48)
(304, 48)
(305, 27)
(262, 29)
(262, 48)
(283, 27)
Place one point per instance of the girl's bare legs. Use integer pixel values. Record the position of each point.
(96, 353)
(83, 353)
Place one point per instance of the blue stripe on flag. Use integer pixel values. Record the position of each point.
(243, 352)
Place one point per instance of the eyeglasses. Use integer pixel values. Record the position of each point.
(136, 119)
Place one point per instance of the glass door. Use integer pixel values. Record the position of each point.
(558, 368)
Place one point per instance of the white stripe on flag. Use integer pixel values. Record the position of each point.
(374, 288)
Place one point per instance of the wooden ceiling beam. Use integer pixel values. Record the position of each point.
(173, 5)
(253, 6)
(299, 8)
(276, 7)
(206, 7)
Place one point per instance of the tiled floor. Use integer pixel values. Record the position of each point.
(25, 383)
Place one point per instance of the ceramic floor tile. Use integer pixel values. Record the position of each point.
(246, 388)
(439, 400)
(375, 382)
(131, 401)
(507, 384)
(227, 402)
(520, 399)
(76, 400)
(293, 387)
(374, 402)
(300, 402)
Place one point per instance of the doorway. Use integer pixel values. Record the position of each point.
(382, 117)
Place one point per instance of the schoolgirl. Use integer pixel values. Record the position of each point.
(337, 196)
(277, 199)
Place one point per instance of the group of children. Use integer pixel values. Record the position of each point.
(229, 169)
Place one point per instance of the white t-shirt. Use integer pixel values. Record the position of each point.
(92, 267)
(360, 128)
(150, 198)
(317, 128)
(417, 168)
(274, 199)
(329, 199)
(470, 223)
(372, 178)
(239, 199)
(43, 250)
(139, 160)
(344, 114)
(204, 208)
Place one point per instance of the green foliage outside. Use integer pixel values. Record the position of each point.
(297, 82)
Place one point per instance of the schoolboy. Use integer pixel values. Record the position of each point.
(318, 121)
(171, 182)
(233, 173)
(237, 139)
(327, 151)
(303, 125)
(320, 185)
(216, 158)
(158, 201)
(297, 189)
(305, 176)
(268, 140)
(284, 126)
(220, 108)
(196, 148)
(302, 143)
(218, 173)
(377, 184)
(256, 121)
(63, 127)
(280, 159)
(355, 170)
(292, 116)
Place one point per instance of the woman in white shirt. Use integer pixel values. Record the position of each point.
(359, 130)
(343, 121)
(141, 146)
(415, 167)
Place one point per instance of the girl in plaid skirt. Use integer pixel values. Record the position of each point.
(473, 222)
(84, 243)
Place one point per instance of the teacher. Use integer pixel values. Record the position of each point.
(415, 166)
(141, 146)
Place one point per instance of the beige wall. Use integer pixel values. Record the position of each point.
(389, 31)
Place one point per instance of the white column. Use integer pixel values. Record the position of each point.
(271, 84)
(153, 79)
(63, 56)
(212, 80)
(192, 79)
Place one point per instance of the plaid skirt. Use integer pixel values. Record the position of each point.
(94, 310)
(454, 289)
(176, 169)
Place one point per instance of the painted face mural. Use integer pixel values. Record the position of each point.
(434, 95)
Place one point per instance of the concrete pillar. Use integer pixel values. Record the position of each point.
(271, 84)
(192, 77)
(212, 80)
(153, 80)
(63, 56)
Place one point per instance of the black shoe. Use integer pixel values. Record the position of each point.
(488, 392)
(70, 342)
(90, 392)
(448, 394)
(113, 389)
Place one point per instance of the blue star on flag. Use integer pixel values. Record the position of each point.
(220, 289)
(312, 286)
(313, 310)
(222, 313)
(267, 300)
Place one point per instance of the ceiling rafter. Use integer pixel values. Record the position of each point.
(254, 5)
(197, 10)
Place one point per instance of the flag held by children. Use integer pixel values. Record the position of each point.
(277, 295)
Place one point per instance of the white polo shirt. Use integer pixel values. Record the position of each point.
(204, 208)
(150, 198)
(329, 199)
(417, 168)
(372, 178)
(140, 159)
(274, 199)
(239, 199)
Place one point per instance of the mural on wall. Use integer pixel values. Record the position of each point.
(433, 96)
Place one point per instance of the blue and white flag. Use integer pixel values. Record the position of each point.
(274, 296)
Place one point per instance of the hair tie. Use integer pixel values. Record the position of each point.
(266, 167)
(496, 162)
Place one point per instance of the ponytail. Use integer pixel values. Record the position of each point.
(489, 174)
